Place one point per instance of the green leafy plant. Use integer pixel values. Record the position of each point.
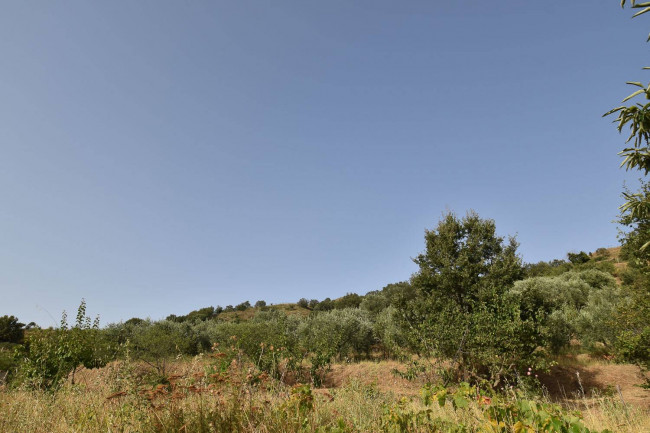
(51, 355)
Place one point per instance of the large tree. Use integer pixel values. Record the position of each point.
(463, 311)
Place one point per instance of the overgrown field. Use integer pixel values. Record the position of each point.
(223, 393)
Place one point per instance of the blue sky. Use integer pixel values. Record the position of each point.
(162, 156)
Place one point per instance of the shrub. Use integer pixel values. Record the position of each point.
(303, 303)
(243, 306)
(50, 355)
(387, 331)
(343, 333)
(578, 258)
(576, 304)
(324, 305)
(154, 343)
(350, 300)
(374, 303)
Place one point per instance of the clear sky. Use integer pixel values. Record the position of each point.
(162, 156)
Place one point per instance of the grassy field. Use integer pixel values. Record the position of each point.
(357, 397)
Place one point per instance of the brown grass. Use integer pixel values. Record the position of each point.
(117, 398)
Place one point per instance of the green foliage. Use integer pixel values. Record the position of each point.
(325, 305)
(637, 157)
(199, 315)
(500, 414)
(461, 311)
(7, 359)
(303, 303)
(578, 258)
(522, 415)
(374, 303)
(576, 304)
(633, 316)
(350, 300)
(546, 269)
(387, 331)
(401, 292)
(155, 343)
(11, 330)
(269, 341)
(50, 355)
(243, 306)
(344, 333)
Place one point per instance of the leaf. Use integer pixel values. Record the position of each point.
(638, 92)
(460, 402)
(518, 427)
(614, 111)
(636, 83)
(442, 398)
(641, 12)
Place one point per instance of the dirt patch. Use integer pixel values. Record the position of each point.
(571, 381)
(379, 374)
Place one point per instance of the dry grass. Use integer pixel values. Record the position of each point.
(117, 398)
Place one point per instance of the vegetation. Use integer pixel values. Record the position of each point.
(633, 316)
(474, 327)
(225, 392)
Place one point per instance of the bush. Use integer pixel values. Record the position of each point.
(350, 300)
(11, 330)
(576, 304)
(374, 303)
(325, 305)
(303, 303)
(578, 258)
(50, 355)
(243, 306)
(155, 343)
(269, 340)
(387, 331)
(346, 333)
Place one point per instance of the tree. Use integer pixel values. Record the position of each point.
(578, 258)
(11, 330)
(303, 303)
(633, 317)
(350, 300)
(324, 305)
(243, 306)
(637, 119)
(634, 340)
(461, 311)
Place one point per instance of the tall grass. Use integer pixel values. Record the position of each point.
(197, 398)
